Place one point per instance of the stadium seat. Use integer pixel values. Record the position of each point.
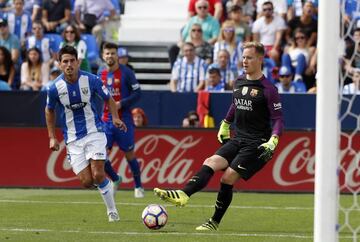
(92, 49)
(55, 40)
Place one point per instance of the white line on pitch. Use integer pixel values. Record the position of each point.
(159, 233)
(145, 204)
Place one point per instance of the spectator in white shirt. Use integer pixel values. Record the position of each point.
(269, 30)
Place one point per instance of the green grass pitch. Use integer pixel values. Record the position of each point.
(79, 215)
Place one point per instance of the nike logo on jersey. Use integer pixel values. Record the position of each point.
(240, 167)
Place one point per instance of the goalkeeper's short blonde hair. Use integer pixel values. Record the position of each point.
(259, 48)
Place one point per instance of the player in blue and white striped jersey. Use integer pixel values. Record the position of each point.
(75, 92)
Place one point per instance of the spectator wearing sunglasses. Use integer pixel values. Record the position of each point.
(227, 40)
(269, 30)
(203, 49)
(307, 22)
(298, 55)
(215, 8)
(280, 7)
(71, 36)
(210, 26)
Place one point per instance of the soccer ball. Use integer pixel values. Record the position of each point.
(154, 216)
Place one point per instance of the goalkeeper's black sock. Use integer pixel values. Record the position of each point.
(199, 181)
(222, 202)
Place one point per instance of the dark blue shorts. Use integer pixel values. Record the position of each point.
(125, 140)
(243, 156)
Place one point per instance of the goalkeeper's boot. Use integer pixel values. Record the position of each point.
(176, 197)
(210, 225)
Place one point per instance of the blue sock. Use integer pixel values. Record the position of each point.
(110, 171)
(135, 169)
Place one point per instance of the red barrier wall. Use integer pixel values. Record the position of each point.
(168, 159)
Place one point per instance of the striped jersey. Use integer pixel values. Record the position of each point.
(188, 75)
(45, 45)
(235, 54)
(19, 25)
(124, 88)
(77, 103)
(228, 75)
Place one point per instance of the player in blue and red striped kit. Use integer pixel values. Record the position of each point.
(256, 113)
(125, 89)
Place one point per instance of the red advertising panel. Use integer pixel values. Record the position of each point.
(168, 158)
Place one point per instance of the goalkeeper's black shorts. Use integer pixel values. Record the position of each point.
(243, 156)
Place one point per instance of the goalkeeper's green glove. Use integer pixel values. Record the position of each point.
(267, 149)
(224, 132)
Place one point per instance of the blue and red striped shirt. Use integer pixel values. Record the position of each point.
(123, 87)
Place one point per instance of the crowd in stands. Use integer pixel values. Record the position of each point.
(33, 31)
(286, 28)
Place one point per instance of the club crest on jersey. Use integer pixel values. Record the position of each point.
(254, 92)
(85, 90)
(244, 91)
(109, 81)
(74, 93)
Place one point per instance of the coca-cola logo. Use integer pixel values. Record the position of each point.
(295, 164)
(172, 167)
(171, 159)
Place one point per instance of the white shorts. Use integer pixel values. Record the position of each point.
(79, 152)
